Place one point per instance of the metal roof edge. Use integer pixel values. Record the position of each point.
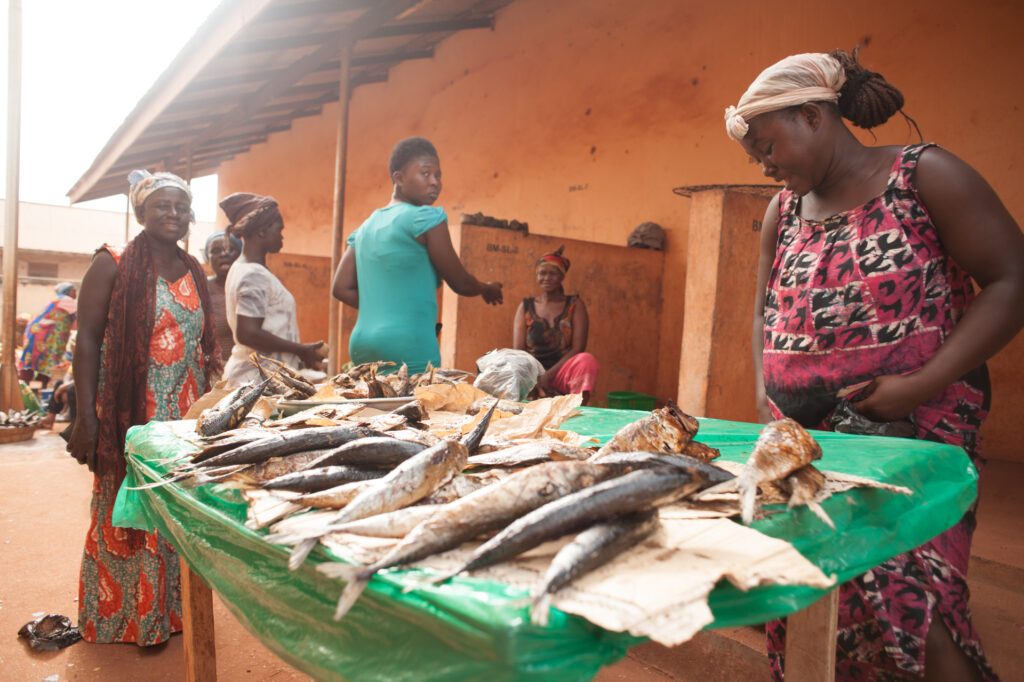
(226, 21)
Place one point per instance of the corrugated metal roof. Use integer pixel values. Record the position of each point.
(257, 65)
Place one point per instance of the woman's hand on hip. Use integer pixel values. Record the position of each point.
(84, 439)
(892, 397)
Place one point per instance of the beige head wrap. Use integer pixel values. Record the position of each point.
(142, 183)
(801, 78)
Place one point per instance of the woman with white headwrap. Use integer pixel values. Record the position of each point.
(866, 283)
(146, 350)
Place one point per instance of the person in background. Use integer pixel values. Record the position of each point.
(868, 262)
(260, 310)
(146, 350)
(63, 398)
(395, 262)
(47, 335)
(553, 328)
(220, 252)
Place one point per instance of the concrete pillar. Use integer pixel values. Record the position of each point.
(716, 366)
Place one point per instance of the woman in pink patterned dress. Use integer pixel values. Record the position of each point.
(146, 350)
(868, 262)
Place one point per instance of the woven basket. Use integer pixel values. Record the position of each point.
(16, 434)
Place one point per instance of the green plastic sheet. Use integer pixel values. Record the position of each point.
(475, 629)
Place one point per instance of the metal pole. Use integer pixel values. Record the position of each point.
(10, 392)
(340, 161)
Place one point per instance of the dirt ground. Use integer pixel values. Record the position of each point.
(44, 507)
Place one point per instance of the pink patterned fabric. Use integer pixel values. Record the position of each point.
(865, 293)
(578, 374)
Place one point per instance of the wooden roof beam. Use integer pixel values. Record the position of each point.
(227, 20)
(426, 27)
(380, 12)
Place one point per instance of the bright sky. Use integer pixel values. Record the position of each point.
(86, 63)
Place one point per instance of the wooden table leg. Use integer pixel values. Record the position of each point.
(811, 641)
(197, 626)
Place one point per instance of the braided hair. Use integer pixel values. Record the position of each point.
(867, 99)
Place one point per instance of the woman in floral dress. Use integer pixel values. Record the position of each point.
(146, 350)
(868, 262)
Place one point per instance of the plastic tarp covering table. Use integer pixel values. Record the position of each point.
(475, 629)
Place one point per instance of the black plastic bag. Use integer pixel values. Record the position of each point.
(846, 419)
(50, 633)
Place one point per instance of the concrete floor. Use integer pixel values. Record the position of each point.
(44, 503)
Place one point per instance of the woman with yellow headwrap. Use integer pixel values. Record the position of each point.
(866, 290)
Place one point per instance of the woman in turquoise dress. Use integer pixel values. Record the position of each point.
(396, 261)
(146, 350)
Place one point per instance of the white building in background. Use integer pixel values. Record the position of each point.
(56, 243)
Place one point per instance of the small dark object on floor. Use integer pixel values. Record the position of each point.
(491, 221)
(50, 633)
(647, 236)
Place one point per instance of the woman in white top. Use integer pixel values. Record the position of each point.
(260, 310)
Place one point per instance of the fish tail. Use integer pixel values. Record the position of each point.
(820, 512)
(748, 498)
(356, 581)
(540, 609)
(300, 552)
(431, 581)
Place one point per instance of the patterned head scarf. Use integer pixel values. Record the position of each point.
(801, 78)
(64, 288)
(143, 183)
(555, 258)
(235, 242)
(249, 212)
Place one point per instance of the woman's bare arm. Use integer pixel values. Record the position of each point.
(442, 254)
(346, 282)
(982, 237)
(93, 304)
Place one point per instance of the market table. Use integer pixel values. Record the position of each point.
(472, 628)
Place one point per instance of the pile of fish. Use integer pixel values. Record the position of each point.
(365, 381)
(334, 471)
(18, 419)
(328, 471)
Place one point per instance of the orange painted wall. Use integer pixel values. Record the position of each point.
(579, 117)
(623, 303)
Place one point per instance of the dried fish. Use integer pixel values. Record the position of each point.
(783, 447)
(229, 412)
(322, 478)
(394, 524)
(626, 494)
(529, 453)
(472, 439)
(410, 482)
(591, 549)
(377, 451)
(806, 485)
(667, 430)
(285, 443)
(479, 512)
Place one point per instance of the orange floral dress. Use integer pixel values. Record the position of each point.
(129, 590)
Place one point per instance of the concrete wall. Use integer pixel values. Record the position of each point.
(579, 117)
(620, 286)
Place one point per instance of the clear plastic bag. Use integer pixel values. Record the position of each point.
(508, 374)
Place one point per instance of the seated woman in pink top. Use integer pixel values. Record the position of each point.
(553, 327)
